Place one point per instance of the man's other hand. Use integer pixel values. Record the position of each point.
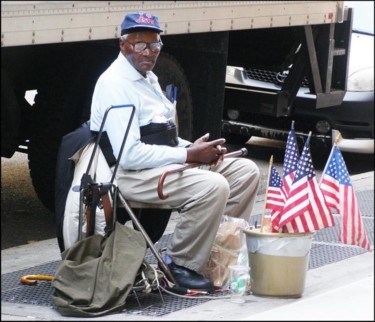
(206, 152)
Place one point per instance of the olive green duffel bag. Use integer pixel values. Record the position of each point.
(97, 273)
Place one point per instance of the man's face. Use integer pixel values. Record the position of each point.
(146, 59)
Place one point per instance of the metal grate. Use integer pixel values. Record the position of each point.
(158, 305)
(13, 291)
(270, 76)
(325, 250)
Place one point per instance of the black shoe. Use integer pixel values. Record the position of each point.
(191, 280)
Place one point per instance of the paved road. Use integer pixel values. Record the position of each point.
(23, 217)
(25, 220)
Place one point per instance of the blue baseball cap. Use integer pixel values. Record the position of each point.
(140, 20)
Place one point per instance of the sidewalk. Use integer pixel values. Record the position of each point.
(339, 290)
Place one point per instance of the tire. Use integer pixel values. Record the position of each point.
(169, 71)
(51, 120)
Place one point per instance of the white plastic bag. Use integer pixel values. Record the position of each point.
(229, 249)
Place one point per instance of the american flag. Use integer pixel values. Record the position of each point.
(340, 196)
(305, 207)
(291, 158)
(275, 198)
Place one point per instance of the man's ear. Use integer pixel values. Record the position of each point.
(122, 44)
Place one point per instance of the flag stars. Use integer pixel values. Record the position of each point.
(275, 180)
(336, 168)
(305, 166)
(291, 154)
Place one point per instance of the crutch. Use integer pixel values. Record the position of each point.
(87, 182)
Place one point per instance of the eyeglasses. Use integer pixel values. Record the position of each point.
(138, 47)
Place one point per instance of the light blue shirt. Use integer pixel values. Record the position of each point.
(122, 84)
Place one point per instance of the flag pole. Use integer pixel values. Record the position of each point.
(309, 135)
(338, 138)
(266, 196)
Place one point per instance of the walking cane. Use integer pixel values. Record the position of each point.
(32, 279)
(241, 152)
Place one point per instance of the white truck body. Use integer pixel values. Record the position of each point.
(44, 22)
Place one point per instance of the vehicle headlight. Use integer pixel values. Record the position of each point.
(361, 80)
(233, 114)
(323, 126)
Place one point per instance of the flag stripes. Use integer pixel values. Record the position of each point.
(330, 186)
(274, 199)
(352, 232)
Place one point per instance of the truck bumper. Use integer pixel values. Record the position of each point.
(249, 130)
(365, 146)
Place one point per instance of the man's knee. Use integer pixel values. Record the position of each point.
(255, 170)
(250, 168)
(220, 186)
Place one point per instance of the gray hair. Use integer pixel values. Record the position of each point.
(124, 37)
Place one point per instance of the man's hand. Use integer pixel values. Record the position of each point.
(205, 152)
(222, 150)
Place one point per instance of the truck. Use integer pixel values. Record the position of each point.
(58, 49)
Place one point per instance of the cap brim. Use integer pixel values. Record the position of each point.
(142, 27)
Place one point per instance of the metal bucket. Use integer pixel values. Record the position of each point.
(278, 262)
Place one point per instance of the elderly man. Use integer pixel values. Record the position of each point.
(202, 195)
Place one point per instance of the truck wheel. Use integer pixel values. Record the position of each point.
(50, 121)
(169, 71)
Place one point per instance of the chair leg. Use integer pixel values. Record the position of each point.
(149, 242)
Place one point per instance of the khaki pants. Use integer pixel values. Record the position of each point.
(202, 197)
